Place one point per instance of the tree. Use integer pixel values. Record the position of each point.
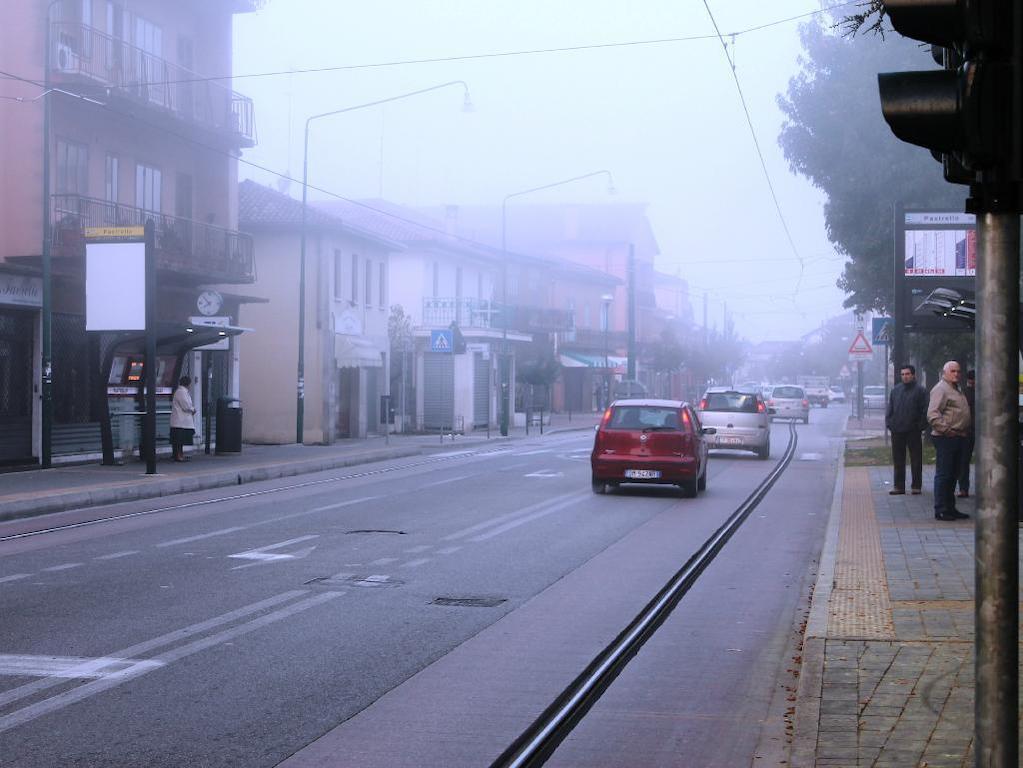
(666, 354)
(836, 137)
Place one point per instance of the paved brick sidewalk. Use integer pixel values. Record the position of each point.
(887, 677)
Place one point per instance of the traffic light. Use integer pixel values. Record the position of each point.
(968, 112)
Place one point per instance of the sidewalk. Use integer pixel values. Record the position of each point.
(887, 661)
(37, 491)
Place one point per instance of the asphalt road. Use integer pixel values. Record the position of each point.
(235, 628)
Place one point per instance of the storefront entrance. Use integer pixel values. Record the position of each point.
(16, 337)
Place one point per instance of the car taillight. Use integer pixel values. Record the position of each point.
(703, 404)
(687, 423)
(761, 408)
(605, 418)
(806, 404)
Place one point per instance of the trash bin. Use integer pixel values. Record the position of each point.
(229, 425)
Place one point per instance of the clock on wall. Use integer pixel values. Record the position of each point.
(209, 302)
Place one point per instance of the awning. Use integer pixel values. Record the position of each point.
(580, 360)
(356, 352)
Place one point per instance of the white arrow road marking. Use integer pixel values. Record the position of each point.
(545, 473)
(70, 667)
(264, 555)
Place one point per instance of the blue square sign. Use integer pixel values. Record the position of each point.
(442, 341)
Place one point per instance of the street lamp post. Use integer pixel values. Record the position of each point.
(300, 389)
(505, 368)
(606, 300)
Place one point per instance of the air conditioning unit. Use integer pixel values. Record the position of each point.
(67, 59)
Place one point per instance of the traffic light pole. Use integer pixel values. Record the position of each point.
(996, 597)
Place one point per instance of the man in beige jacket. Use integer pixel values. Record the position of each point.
(949, 417)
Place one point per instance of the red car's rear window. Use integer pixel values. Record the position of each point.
(644, 417)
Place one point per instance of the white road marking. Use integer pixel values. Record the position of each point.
(30, 689)
(545, 473)
(264, 553)
(510, 515)
(63, 567)
(445, 482)
(116, 555)
(61, 700)
(69, 667)
(531, 453)
(329, 507)
(420, 548)
(14, 577)
(448, 454)
(211, 534)
(525, 519)
(448, 550)
(417, 563)
(384, 561)
(378, 577)
(810, 457)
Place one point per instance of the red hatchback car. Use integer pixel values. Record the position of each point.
(650, 441)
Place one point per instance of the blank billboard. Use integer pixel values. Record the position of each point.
(115, 286)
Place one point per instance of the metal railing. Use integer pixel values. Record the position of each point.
(82, 51)
(467, 313)
(211, 253)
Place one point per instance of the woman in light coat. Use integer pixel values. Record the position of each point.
(182, 420)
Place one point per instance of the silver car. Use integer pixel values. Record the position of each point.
(873, 397)
(741, 417)
(789, 402)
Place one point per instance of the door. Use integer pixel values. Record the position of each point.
(16, 335)
(347, 395)
(480, 390)
(438, 389)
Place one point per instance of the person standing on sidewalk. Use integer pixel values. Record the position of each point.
(906, 419)
(948, 413)
(970, 391)
(182, 420)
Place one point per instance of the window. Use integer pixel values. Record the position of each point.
(458, 282)
(436, 279)
(369, 283)
(72, 168)
(183, 196)
(148, 37)
(148, 183)
(338, 285)
(479, 285)
(110, 193)
(382, 287)
(586, 316)
(355, 279)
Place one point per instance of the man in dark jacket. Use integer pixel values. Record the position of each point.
(906, 418)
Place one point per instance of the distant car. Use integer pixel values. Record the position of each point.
(873, 397)
(650, 441)
(741, 417)
(789, 402)
(837, 394)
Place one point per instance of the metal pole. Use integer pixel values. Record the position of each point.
(996, 544)
(607, 373)
(300, 383)
(632, 313)
(859, 391)
(503, 361)
(149, 365)
(46, 448)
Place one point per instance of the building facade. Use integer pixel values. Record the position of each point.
(112, 122)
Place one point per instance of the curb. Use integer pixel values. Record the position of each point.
(811, 677)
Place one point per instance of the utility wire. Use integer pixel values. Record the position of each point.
(483, 56)
(760, 154)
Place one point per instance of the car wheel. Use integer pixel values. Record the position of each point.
(764, 453)
(689, 489)
(806, 419)
(701, 484)
(598, 486)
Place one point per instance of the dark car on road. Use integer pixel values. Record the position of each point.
(650, 441)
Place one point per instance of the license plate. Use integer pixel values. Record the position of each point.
(729, 441)
(642, 474)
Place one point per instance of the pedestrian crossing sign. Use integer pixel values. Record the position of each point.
(882, 330)
(442, 341)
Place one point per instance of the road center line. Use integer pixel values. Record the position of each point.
(199, 537)
(116, 555)
(443, 482)
(69, 667)
(63, 567)
(525, 519)
(14, 577)
(509, 516)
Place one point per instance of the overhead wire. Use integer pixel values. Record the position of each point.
(760, 154)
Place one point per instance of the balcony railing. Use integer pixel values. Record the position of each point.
(84, 52)
(590, 338)
(468, 313)
(191, 248)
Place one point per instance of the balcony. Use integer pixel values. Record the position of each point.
(467, 313)
(593, 339)
(84, 54)
(187, 248)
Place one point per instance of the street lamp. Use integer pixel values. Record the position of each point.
(300, 394)
(606, 300)
(505, 368)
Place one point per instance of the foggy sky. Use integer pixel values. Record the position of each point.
(664, 118)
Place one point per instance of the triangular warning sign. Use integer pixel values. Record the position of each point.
(860, 345)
